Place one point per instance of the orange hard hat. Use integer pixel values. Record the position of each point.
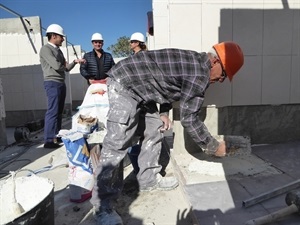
(231, 56)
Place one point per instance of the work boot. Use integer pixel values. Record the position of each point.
(163, 184)
(108, 217)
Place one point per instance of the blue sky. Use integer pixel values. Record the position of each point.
(81, 18)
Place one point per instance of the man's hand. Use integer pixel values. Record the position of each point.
(167, 123)
(80, 61)
(221, 151)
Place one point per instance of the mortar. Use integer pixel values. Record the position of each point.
(35, 194)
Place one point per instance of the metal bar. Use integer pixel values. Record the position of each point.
(23, 23)
(75, 51)
(270, 194)
(27, 32)
(9, 10)
(22, 20)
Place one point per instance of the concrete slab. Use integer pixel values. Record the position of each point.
(201, 168)
(219, 201)
(281, 156)
(211, 192)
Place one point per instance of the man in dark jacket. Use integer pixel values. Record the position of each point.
(163, 76)
(98, 62)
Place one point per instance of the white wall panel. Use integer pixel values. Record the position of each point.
(278, 32)
(161, 23)
(247, 84)
(162, 28)
(248, 30)
(267, 30)
(209, 27)
(12, 60)
(35, 59)
(225, 30)
(276, 79)
(9, 44)
(180, 26)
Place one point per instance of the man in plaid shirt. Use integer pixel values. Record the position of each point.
(160, 76)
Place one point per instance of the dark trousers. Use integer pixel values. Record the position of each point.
(56, 95)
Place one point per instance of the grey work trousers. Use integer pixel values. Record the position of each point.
(128, 121)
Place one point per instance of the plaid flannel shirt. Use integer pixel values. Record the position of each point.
(166, 76)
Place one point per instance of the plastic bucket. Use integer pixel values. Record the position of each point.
(36, 196)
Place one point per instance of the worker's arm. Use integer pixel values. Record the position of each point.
(84, 67)
(51, 59)
(70, 66)
(192, 97)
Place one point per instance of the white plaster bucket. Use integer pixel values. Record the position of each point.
(36, 196)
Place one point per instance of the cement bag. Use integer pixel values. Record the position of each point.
(95, 104)
(86, 125)
(80, 167)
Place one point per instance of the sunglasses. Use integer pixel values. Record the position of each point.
(59, 35)
(133, 42)
(100, 42)
(224, 75)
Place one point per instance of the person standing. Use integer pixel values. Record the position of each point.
(54, 66)
(98, 62)
(163, 76)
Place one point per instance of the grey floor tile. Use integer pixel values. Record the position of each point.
(284, 156)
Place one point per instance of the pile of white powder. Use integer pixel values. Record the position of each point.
(30, 191)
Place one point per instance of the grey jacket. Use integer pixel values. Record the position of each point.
(54, 64)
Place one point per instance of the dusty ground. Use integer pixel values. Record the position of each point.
(156, 207)
(236, 178)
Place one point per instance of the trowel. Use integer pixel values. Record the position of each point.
(16, 207)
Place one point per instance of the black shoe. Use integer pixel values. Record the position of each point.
(58, 140)
(51, 145)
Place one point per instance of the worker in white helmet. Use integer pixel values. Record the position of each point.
(98, 62)
(54, 66)
(137, 44)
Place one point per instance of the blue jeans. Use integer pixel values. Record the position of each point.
(56, 95)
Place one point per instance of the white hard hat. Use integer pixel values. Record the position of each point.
(55, 28)
(97, 37)
(137, 37)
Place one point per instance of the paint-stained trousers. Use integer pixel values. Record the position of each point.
(127, 122)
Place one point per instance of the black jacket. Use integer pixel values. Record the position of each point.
(89, 70)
